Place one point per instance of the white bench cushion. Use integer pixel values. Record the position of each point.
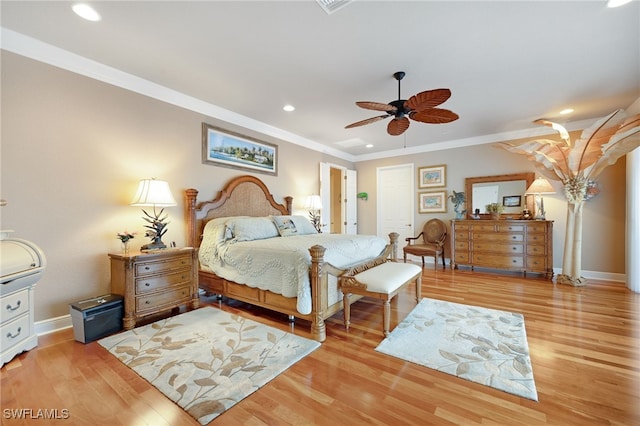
(387, 277)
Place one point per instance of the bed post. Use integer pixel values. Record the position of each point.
(318, 288)
(288, 201)
(393, 239)
(190, 216)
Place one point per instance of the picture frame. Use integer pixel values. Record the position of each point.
(224, 148)
(432, 176)
(432, 202)
(512, 201)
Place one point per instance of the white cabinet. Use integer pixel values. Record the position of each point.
(17, 323)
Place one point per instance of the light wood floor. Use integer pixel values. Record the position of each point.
(584, 345)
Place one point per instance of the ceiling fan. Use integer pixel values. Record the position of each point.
(420, 107)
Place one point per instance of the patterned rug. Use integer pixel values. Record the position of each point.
(482, 345)
(207, 360)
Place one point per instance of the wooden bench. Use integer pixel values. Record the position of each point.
(381, 280)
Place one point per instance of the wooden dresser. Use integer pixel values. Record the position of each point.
(155, 281)
(514, 245)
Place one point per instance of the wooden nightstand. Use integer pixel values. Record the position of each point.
(155, 281)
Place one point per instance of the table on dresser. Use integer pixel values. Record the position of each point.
(514, 245)
(154, 281)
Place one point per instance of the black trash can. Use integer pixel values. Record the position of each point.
(97, 317)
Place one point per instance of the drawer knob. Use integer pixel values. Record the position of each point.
(13, 336)
(146, 268)
(11, 308)
(147, 284)
(147, 302)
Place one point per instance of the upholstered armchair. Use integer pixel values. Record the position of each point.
(430, 242)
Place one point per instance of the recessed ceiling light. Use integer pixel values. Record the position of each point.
(289, 108)
(566, 111)
(85, 11)
(369, 145)
(617, 3)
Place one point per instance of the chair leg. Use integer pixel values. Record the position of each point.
(386, 317)
(422, 262)
(346, 310)
(419, 289)
(405, 257)
(443, 265)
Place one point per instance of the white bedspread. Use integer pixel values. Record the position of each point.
(281, 264)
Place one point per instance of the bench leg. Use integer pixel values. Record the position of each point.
(386, 317)
(346, 310)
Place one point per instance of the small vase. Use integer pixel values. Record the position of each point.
(125, 247)
(495, 216)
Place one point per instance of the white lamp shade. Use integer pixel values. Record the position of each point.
(153, 192)
(314, 202)
(540, 186)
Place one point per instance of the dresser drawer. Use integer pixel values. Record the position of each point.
(169, 298)
(461, 245)
(462, 235)
(536, 264)
(462, 257)
(14, 305)
(536, 250)
(540, 228)
(159, 266)
(497, 237)
(461, 227)
(498, 261)
(147, 284)
(498, 248)
(14, 332)
(536, 238)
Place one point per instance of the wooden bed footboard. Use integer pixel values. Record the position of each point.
(249, 196)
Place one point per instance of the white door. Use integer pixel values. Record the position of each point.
(325, 196)
(396, 201)
(350, 204)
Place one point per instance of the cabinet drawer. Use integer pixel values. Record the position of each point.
(497, 237)
(170, 298)
(461, 245)
(498, 248)
(536, 264)
(536, 249)
(462, 257)
(147, 284)
(15, 332)
(461, 227)
(537, 227)
(462, 235)
(510, 228)
(158, 266)
(536, 238)
(498, 260)
(14, 305)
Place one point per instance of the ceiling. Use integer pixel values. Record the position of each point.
(506, 62)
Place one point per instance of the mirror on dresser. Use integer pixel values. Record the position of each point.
(508, 190)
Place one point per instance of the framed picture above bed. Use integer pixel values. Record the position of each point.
(432, 176)
(228, 149)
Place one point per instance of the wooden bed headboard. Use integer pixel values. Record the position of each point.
(242, 196)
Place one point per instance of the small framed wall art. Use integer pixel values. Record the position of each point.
(512, 201)
(227, 149)
(432, 202)
(432, 176)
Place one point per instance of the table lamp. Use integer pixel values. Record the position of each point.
(540, 186)
(156, 193)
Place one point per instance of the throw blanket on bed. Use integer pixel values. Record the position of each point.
(280, 264)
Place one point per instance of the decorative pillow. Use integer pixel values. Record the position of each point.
(286, 225)
(252, 228)
(303, 225)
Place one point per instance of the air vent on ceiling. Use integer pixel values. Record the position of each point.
(331, 6)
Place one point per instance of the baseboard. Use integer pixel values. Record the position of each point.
(53, 324)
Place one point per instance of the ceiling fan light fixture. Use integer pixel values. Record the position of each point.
(85, 11)
(331, 6)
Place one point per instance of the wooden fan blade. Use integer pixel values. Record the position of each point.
(427, 99)
(434, 116)
(367, 121)
(376, 106)
(397, 126)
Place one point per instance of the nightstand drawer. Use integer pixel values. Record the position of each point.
(147, 284)
(15, 332)
(154, 267)
(14, 305)
(169, 298)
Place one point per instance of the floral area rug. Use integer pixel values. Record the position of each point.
(207, 360)
(482, 345)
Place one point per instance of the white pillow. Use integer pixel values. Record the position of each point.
(252, 228)
(303, 225)
(286, 226)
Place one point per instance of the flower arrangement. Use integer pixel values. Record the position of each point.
(125, 236)
(495, 208)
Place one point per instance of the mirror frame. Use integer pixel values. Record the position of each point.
(528, 177)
